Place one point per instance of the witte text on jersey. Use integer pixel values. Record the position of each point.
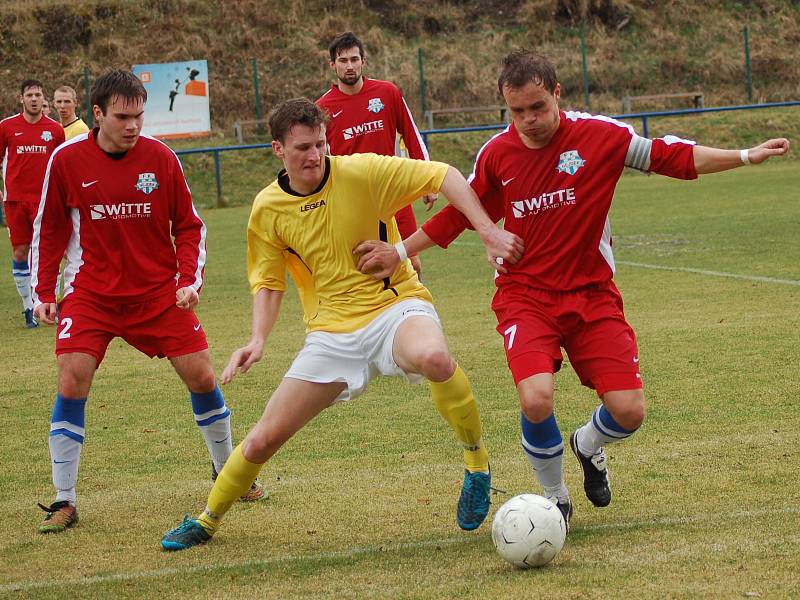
(364, 128)
(545, 201)
(122, 210)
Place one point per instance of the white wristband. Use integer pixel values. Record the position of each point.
(744, 155)
(401, 250)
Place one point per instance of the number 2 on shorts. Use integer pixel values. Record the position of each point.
(510, 333)
(64, 333)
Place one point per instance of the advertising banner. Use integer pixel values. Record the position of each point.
(177, 99)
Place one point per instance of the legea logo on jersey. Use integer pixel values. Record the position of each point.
(147, 183)
(570, 162)
(31, 149)
(375, 105)
(364, 128)
(312, 206)
(47, 136)
(122, 210)
(543, 202)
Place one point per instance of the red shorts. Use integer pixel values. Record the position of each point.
(19, 220)
(157, 327)
(590, 325)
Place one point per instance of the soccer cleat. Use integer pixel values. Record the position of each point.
(60, 516)
(595, 474)
(30, 321)
(473, 505)
(566, 509)
(189, 533)
(256, 492)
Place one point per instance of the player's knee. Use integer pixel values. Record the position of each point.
(630, 415)
(258, 448)
(437, 364)
(203, 382)
(537, 404)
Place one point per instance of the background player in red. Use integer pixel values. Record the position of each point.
(27, 140)
(366, 115)
(118, 204)
(551, 175)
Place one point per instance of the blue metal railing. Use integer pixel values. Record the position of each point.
(644, 116)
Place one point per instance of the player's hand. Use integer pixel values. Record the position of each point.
(241, 360)
(776, 147)
(46, 312)
(502, 247)
(186, 298)
(429, 200)
(377, 259)
(417, 264)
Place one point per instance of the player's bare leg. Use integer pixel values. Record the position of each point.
(75, 373)
(291, 406)
(620, 415)
(542, 440)
(420, 347)
(211, 413)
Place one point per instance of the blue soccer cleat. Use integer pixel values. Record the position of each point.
(189, 533)
(30, 320)
(473, 505)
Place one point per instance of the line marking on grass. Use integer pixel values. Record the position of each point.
(22, 586)
(629, 263)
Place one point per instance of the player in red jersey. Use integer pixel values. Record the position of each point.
(551, 175)
(27, 140)
(118, 204)
(366, 115)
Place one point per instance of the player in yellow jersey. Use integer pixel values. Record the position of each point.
(66, 102)
(308, 222)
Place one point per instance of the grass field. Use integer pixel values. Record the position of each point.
(706, 497)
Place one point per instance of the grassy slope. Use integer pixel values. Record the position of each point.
(634, 46)
(705, 495)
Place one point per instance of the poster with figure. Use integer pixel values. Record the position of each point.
(177, 99)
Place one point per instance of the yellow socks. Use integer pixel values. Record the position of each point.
(233, 481)
(455, 402)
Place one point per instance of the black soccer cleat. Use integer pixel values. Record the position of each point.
(595, 474)
(566, 510)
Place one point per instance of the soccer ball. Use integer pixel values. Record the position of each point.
(528, 531)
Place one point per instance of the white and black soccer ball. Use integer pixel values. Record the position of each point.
(528, 531)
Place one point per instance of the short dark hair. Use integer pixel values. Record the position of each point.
(117, 82)
(29, 83)
(297, 111)
(345, 41)
(523, 66)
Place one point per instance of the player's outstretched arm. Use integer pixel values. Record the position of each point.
(266, 307)
(500, 244)
(714, 160)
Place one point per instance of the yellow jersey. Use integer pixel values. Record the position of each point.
(77, 127)
(313, 237)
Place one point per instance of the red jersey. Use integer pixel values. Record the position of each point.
(369, 121)
(557, 198)
(127, 224)
(25, 149)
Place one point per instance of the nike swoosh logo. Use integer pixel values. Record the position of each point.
(61, 462)
(225, 439)
(333, 116)
(20, 133)
(91, 183)
(197, 327)
(505, 182)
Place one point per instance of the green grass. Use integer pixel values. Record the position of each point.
(706, 496)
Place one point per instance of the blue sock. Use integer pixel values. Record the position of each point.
(67, 433)
(600, 430)
(214, 420)
(544, 447)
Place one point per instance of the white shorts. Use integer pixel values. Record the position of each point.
(357, 358)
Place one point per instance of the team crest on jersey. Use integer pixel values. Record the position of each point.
(47, 136)
(375, 105)
(570, 162)
(147, 182)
